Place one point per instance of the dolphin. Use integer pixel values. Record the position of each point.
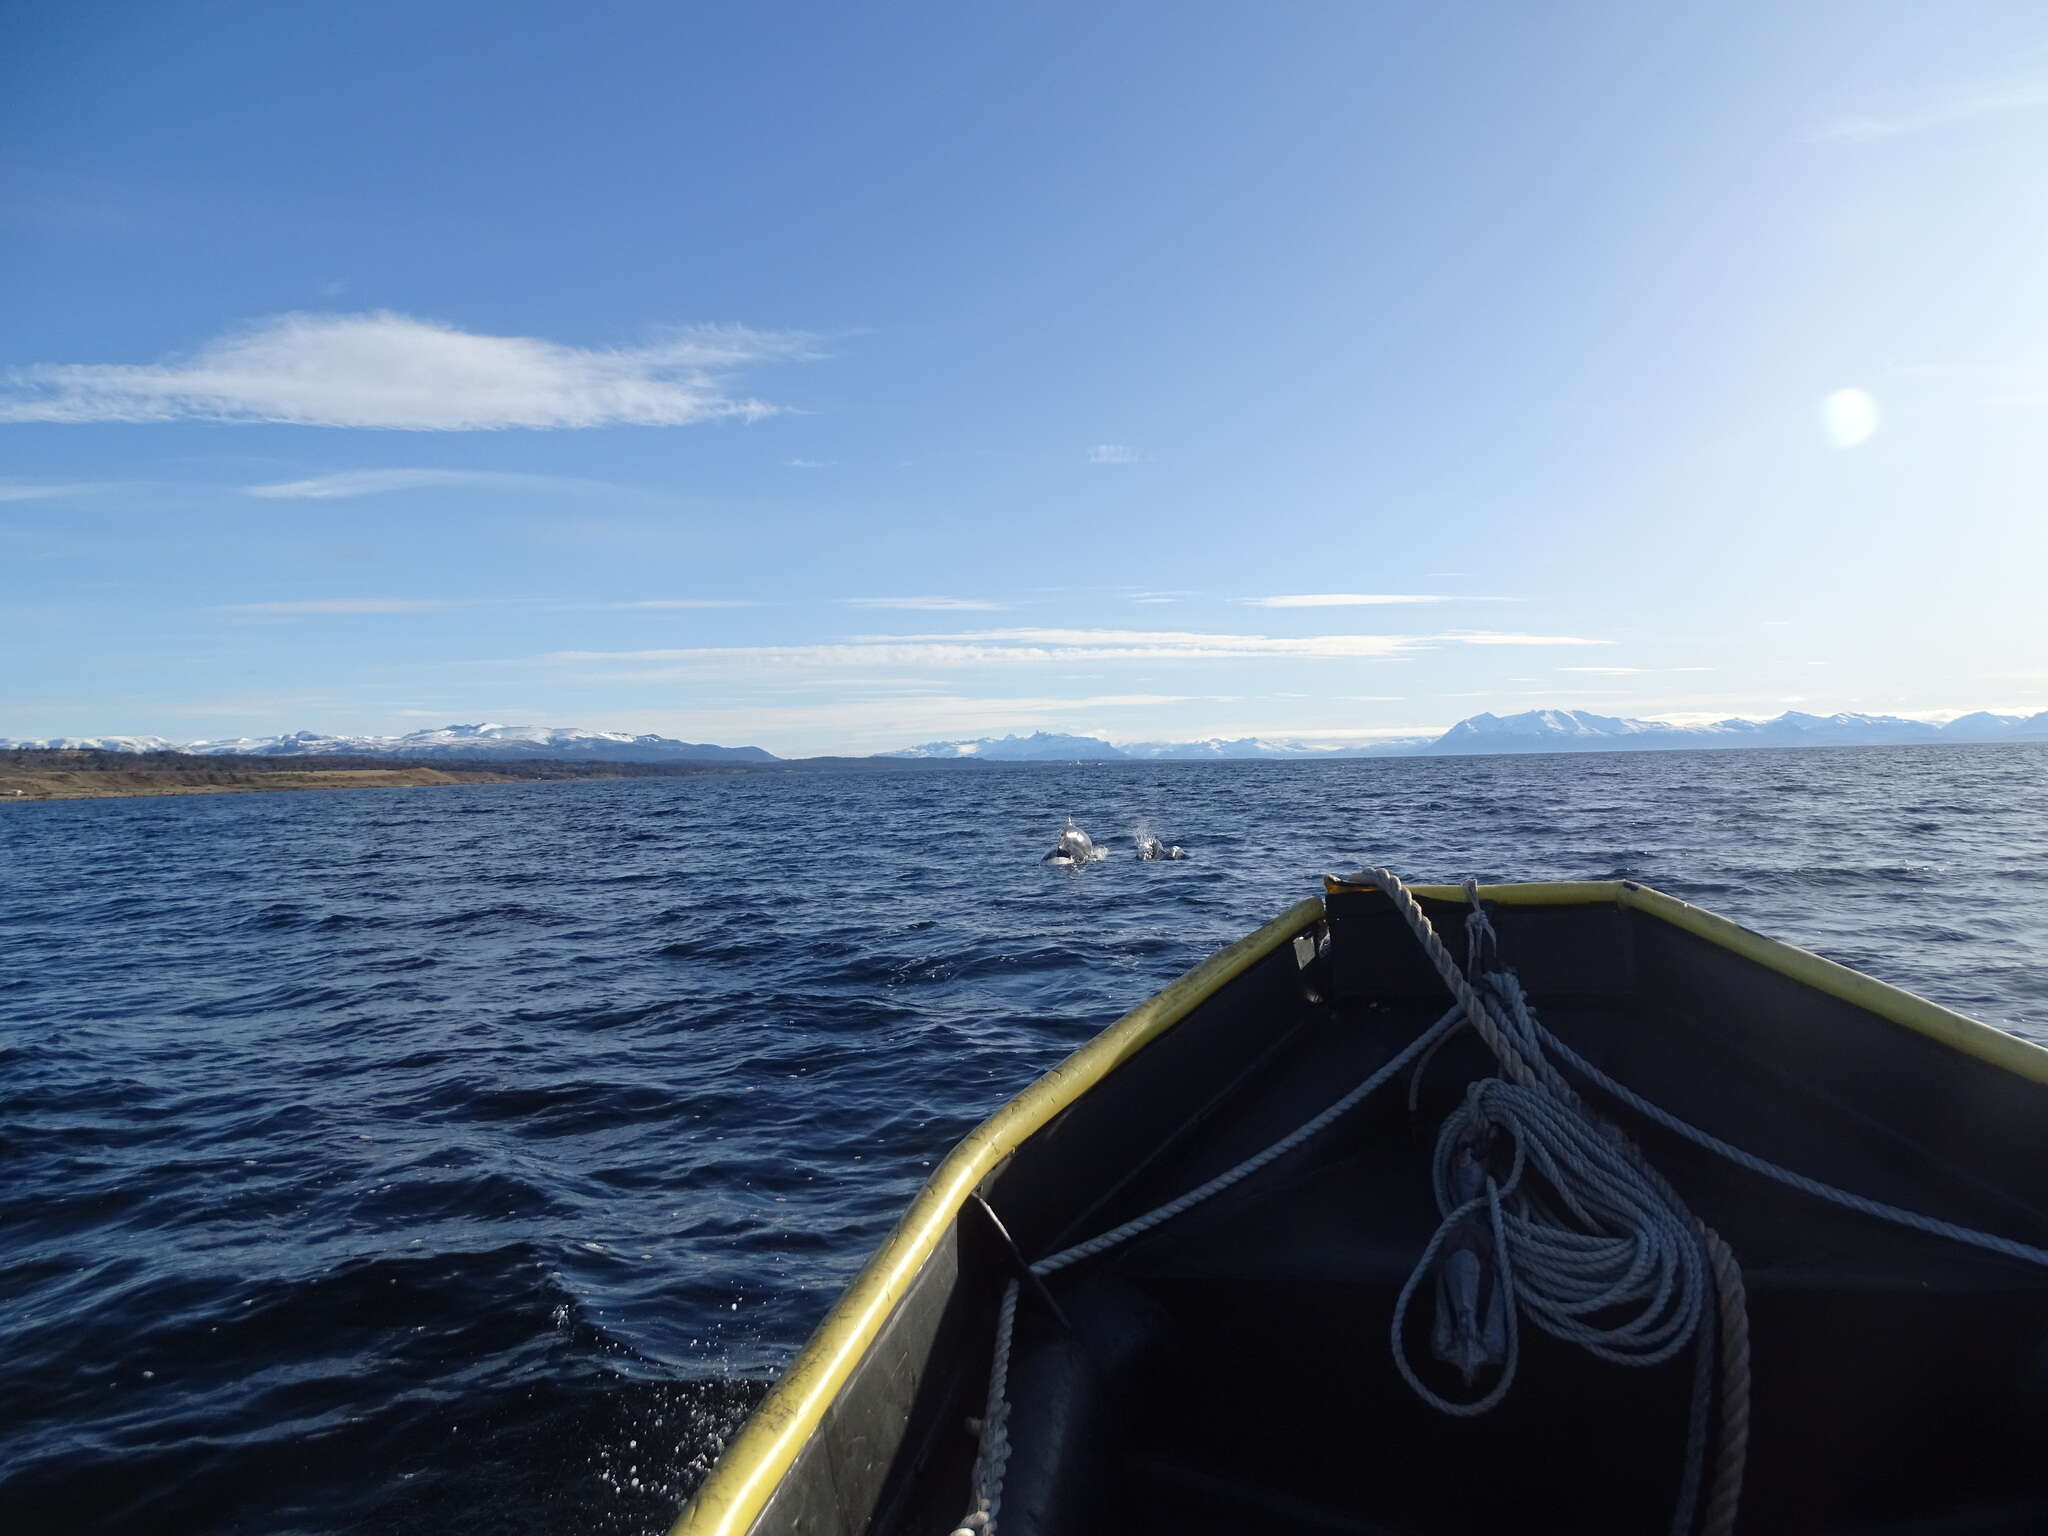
(1149, 847)
(1073, 847)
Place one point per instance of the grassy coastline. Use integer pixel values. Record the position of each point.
(40, 773)
(33, 774)
(24, 787)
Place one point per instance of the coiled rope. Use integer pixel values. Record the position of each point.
(1623, 1245)
(1604, 1236)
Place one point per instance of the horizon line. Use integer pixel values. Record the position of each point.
(1331, 738)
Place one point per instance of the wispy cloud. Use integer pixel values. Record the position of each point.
(329, 606)
(1030, 647)
(1622, 671)
(1487, 637)
(652, 604)
(1116, 453)
(394, 371)
(342, 605)
(808, 463)
(1087, 644)
(1354, 599)
(375, 482)
(1309, 735)
(925, 604)
(21, 490)
(864, 724)
(1925, 110)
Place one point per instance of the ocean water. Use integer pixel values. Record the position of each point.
(468, 1159)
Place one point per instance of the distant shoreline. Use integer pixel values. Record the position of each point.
(45, 774)
(22, 788)
(36, 774)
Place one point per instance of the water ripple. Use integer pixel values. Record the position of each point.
(468, 1159)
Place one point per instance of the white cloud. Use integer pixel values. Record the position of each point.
(394, 371)
(341, 605)
(19, 490)
(1087, 644)
(808, 463)
(1618, 671)
(1116, 453)
(1352, 599)
(924, 604)
(1032, 647)
(375, 482)
(1486, 638)
(375, 605)
(1936, 110)
(1310, 735)
(865, 724)
(652, 604)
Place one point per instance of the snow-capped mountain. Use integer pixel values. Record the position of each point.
(1038, 747)
(1048, 746)
(1215, 748)
(99, 743)
(483, 741)
(1577, 730)
(1535, 730)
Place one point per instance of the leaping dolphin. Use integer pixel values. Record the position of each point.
(1149, 847)
(1072, 847)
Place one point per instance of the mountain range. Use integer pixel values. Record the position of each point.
(1576, 730)
(1535, 730)
(1047, 746)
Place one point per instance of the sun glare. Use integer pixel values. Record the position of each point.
(1848, 416)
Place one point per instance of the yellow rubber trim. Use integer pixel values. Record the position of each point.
(1552, 893)
(1959, 1032)
(738, 1488)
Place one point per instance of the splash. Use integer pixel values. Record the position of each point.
(1150, 848)
(1074, 847)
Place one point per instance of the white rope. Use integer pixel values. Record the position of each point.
(993, 1457)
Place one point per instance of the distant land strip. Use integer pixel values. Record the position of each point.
(40, 773)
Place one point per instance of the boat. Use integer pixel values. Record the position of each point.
(1448, 1209)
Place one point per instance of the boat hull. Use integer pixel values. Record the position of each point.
(1253, 1335)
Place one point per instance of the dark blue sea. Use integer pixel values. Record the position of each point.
(468, 1159)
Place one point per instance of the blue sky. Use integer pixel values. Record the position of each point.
(841, 377)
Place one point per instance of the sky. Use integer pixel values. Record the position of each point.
(837, 378)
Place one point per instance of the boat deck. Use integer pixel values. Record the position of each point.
(1232, 1370)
